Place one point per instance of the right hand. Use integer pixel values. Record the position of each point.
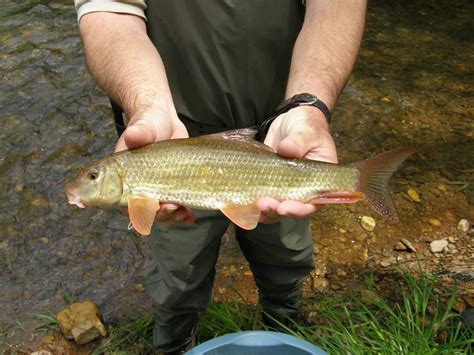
(149, 126)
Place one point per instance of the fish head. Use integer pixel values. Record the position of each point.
(97, 185)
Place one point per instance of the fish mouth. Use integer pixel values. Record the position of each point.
(72, 197)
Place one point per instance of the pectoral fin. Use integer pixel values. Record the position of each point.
(142, 213)
(246, 217)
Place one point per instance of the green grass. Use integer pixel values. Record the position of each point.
(414, 318)
(46, 322)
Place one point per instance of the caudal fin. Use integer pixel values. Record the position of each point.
(374, 175)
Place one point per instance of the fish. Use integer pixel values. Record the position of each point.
(228, 171)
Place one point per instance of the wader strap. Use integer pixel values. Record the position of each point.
(118, 118)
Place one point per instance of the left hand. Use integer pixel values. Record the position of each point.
(300, 133)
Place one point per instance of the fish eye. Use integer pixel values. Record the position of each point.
(93, 175)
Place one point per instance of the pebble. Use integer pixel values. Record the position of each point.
(41, 352)
(44, 240)
(438, 246)
(407, 243)
(385, 264)
(81, 321)
(434, 222)
(414, 195)
(451, 239)
(139, 287)
(463, 225)
(442, 187)
(368, 223)
(400, 247)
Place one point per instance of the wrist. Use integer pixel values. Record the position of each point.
(312, 115)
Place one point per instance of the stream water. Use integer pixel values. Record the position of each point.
(412, 86)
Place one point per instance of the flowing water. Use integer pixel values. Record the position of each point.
(412, 86)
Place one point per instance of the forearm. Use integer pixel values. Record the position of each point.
(326, 48)
(124, 62)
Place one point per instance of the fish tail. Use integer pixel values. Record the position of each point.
(374, 175)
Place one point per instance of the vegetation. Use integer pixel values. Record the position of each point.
(416, 319)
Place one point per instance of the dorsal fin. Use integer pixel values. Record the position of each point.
(245, 135)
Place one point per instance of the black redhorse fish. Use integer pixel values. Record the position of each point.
(228, 171)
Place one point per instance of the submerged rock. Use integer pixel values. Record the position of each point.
(414, 195)
(368, 223)
(437, 246)
(434, 222)
(463, 225)
(81, 321)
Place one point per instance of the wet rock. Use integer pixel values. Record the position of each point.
(459, 306)
(413, 195)
(400, 247)
(368, 223)
(438, 246)
(139, 287)
(81, 321)
(369, 297)
(463, 225)
(468, 317)
(434, 222)
(404, 244)
(469, 300)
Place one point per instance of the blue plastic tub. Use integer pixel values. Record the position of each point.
(256, 343)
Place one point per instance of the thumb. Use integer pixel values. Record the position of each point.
(296, 145)
(138, 135)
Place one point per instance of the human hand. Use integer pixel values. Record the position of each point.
(300, 133)
(149, 126)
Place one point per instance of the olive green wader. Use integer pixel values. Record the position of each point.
(227, 63)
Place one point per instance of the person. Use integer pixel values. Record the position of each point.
(184, 68)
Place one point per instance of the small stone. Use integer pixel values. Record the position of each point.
(400, 247)
(369, 297)
(248, 273)
(408, 244)
(44, 240)
(81, 321)
(434, 222)
(341, 230)
(413, 195)
(41, 352)
(442, 188)
(340, 272)
(469, 300)
(385, 264)
(451, 240)
(139, 287)
(19, 187)
(459, 306)
(4, 244)
(463, 225)
(438, 246)
(385, 99)
(368, 223)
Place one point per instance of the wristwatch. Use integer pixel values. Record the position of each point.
(303, 99)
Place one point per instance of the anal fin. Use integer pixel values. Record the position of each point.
(246, 217)
(323, 198)
(142, 213)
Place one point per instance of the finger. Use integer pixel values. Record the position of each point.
(267, 207)
(166, 211)
(295, 209)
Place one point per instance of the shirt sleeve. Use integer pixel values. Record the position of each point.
(132, 7)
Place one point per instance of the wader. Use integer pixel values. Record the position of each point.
(227, 63)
